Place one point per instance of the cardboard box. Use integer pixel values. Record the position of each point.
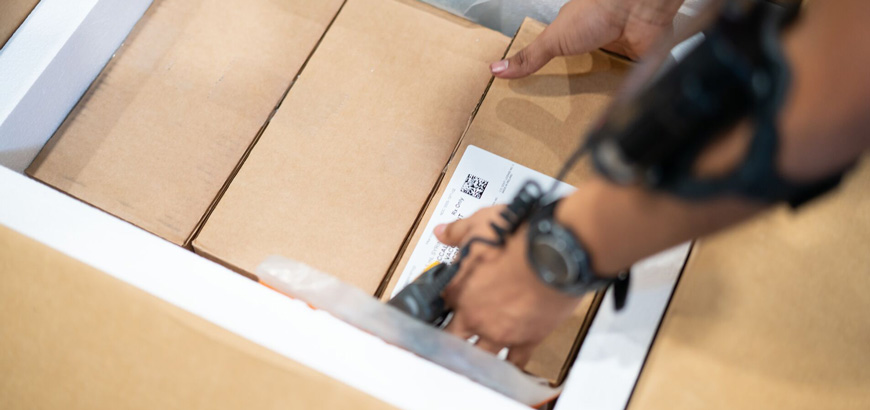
(538, 122)
(771, 314)
(172, 299)
(12, 14)
(329, 221)
(345, 166)
(159, 133)
(138, 351)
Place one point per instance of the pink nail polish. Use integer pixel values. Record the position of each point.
(440, 229)
(499, 66)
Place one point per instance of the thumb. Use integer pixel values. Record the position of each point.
(527, 61)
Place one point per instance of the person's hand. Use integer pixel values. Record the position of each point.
(627, 27)
(496, 295)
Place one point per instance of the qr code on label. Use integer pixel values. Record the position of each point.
(474, 186)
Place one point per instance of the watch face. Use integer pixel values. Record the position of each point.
(549, 256)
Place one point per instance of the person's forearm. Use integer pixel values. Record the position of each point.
(825, 123)
(620, 225)
(823, 128)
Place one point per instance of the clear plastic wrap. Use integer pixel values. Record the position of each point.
(363, 311)
(507, 15)
(502, 15)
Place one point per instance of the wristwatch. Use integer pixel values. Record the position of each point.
(560, 259)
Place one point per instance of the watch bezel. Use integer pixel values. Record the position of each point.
(568, 271)
(579, 278)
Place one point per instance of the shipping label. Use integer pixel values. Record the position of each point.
(481, 179)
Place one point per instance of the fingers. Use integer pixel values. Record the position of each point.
(520, 355)
(527, 61)
(557, 39)
(580, 27)
(478, 224)
(458, 327)
(452, 234)
(489, 346)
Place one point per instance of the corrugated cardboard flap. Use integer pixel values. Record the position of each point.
(73, 337)
(772, 314)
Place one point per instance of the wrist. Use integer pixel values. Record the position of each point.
(559, 257)
(576, 212)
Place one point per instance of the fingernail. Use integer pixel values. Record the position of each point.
(499, 66)
(440, 229)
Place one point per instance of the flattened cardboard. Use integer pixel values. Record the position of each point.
(772, 314)
(73, 337)
(538, 121)
(158, 134)
(343, 169)
(12, 14)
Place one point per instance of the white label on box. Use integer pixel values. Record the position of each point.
(481, 179)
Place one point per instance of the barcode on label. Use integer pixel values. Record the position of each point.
(474, 186)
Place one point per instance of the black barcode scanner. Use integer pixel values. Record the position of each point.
(423, 299)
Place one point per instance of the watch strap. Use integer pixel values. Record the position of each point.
(620, 289)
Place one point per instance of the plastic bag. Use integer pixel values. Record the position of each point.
(361, 310)
(502, 15)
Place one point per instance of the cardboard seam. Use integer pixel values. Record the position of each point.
(409, 236)
(581, 337)
(385, 281)
(67, 194)
(188, 242)
(477, 107)
(214, 203)
(205, 253)
(618, 56)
